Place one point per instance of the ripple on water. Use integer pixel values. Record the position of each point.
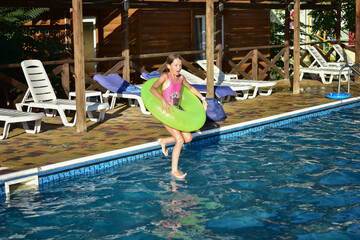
(298, 181)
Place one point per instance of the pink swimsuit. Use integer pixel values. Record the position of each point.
(172, 92)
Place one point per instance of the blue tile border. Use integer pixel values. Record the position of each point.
(94, 169)
(97, 166)
(278, 122)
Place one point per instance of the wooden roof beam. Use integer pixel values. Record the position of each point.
(183, 4)
(318, 6)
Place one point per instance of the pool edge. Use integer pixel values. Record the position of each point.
(153, 149)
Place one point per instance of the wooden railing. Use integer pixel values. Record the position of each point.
(254, 56)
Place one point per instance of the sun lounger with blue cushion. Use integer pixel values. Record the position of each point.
(150, 75)
(117, 87)
(263, 88)
(221, 92)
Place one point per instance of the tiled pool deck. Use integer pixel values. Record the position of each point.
(126, 127)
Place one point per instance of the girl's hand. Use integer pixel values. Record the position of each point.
(204, 102)
(166, 106)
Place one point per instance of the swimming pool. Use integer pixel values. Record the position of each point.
(300, 181)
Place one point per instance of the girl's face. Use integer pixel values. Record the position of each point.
(175, 67)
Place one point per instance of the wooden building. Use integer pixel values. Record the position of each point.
(154, 30)
(140, 32)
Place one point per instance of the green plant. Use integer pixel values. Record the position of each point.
(19, 41)
(325, 20)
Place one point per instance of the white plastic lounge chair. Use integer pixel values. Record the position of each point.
(195, 80)
(117, 87)
(323, 68)
(43, 95)
(342, 54)
(232, 80)
(14, 116)
(320, 61)
(324, 72)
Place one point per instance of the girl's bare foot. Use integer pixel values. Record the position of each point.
(178, 174)
(163, 147)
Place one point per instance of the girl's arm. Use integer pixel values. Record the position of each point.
(195, 91)
(154, 89)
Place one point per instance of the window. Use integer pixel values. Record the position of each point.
(200, 34)
(89, 43)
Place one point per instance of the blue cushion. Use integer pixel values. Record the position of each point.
(151, 75)
(220, 91)
(117, 84)
(214, 111)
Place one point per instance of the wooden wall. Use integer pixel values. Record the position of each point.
(244, 28)
(108, 33)
(156, 31)
(162, 31)
(169, 30)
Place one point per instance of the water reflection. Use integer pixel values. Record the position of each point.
(183, 213)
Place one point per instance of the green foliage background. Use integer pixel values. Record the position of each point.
(323, 20)
(19, 42)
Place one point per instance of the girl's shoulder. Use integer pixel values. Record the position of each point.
(182, 78)
(164, 77)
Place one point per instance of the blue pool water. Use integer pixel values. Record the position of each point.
(300, 181)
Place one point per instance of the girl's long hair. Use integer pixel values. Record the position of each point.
(170, 59)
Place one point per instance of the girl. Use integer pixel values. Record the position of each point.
(171, 83)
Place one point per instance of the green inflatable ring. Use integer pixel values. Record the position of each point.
(191, 119)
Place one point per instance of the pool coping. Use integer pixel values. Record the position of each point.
(153, 149)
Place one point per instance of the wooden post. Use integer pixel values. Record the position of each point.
(125, 43)
(338, 22)
(219, 57)
(254, 65)
(218, 37)
(79, 66)
(287, 43)
(357, 37)
(210, 48)
(296, 79)
(65, 78)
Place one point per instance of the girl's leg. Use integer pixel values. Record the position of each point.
(179, 139)
(164, 141)
(187, 136)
